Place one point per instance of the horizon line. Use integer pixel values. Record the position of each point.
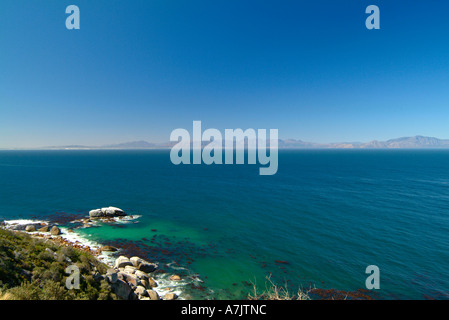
(131, 145)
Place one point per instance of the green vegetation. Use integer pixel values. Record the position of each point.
(275, 292)
(34, 269)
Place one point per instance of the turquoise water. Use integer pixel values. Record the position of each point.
(327, 213)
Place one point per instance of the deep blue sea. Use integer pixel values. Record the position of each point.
(319, 222)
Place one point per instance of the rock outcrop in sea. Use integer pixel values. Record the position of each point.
(108, 212)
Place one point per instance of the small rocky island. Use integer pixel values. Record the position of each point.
(109, 212)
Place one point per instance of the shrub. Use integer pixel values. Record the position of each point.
(275, 292)
(33, 269)
(26, 291)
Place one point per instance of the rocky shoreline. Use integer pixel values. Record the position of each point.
(130, 278)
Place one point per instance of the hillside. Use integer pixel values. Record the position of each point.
(34, 269)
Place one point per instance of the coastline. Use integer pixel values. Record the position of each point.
(129, 283)
(167, 286)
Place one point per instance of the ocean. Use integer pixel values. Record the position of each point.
(318, 223)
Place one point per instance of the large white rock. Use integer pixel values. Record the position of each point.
(113, 211)
(95, 213)
(106, 212)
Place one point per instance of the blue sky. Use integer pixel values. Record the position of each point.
(136, 70)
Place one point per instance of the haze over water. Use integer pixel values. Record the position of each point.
(320, 221)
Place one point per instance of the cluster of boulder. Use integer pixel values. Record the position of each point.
(131, 280)
(108, 212)
(54, 231)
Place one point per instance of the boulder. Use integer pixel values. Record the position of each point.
(106, 212)
(129, 278)
(170, 296)
(113, 211)
(153, 295)
(130, 269)
(141, 291)
(132, 280)
(148, 284)
(122, 262)
(136, 261)
(144, 283)
(98, 276)
(152, 283)
(109, 249)
(30, 228)
(97, 213)
(112, 276)
(133, 295)
(146, 267)
(141, 275)
(122, 289)
(44, 229)
(55, 231)
(175, 277)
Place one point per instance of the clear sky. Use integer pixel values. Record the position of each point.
(136, 70)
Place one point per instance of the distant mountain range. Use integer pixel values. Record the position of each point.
(416, 142)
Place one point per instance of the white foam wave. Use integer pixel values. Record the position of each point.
(126, 219)
(22, 222)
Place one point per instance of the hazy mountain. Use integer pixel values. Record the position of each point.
(126, 145)
(74, 146)
(399, 143)
(131, 145)
(292, 143)
(416, 142)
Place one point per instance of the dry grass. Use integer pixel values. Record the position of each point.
(6, 296)
(275, 292)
